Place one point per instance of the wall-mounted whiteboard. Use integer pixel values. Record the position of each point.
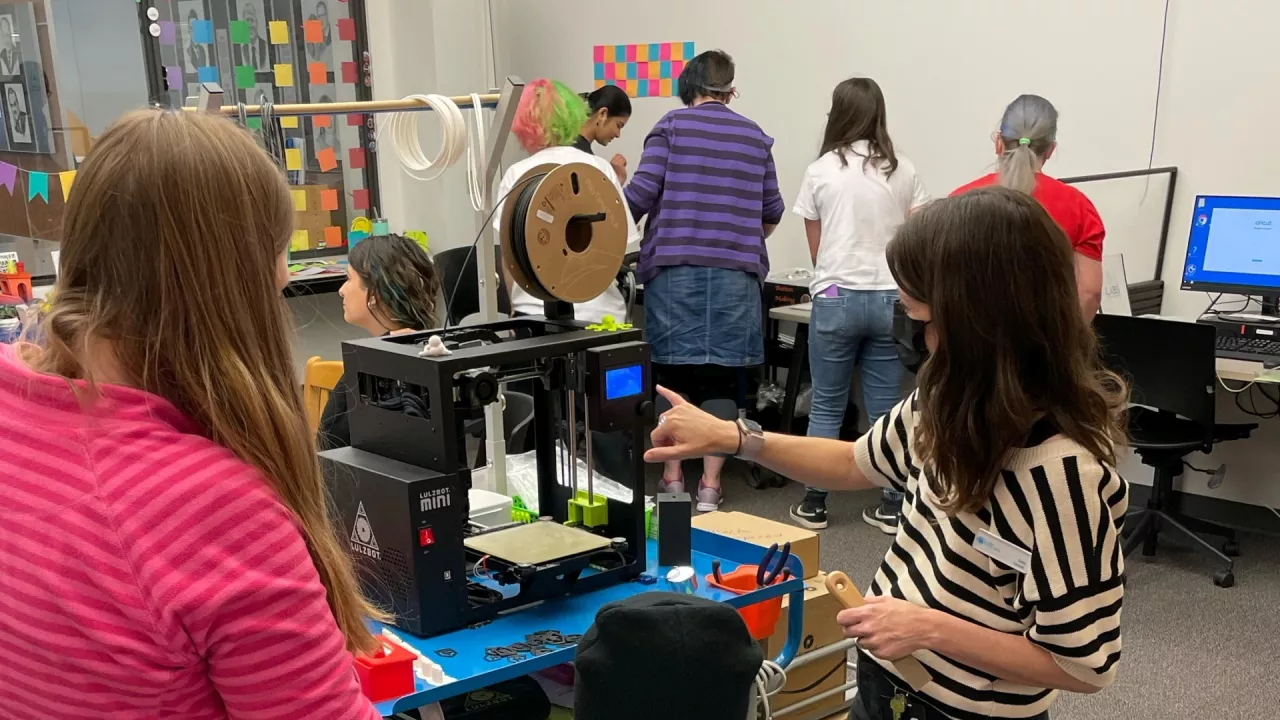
(947, 70)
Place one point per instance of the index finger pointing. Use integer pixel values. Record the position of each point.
(671, 396)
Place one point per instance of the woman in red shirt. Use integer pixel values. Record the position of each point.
(1026, 140)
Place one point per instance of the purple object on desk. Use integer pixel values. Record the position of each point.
(173, 75)
(168, 36)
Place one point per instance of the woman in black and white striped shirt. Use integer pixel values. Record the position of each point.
(1005, 576)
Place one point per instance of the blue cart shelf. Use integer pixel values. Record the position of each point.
(572, 615)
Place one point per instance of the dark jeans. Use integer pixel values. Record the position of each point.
(876, 688)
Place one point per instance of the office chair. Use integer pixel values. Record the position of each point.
(1169, 366)
(461, 286)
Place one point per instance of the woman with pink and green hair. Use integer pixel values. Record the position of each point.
(546, 124)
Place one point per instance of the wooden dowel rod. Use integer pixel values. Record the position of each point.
(366, 106)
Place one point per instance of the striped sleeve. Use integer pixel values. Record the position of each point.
(226, 563)
(773, 205)
(647, 182)
(883, 454)
(1075, 587)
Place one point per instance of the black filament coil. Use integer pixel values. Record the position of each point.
(519, 247)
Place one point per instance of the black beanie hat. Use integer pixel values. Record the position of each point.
(668, 656)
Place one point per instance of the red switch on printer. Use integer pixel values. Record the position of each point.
(426, 538)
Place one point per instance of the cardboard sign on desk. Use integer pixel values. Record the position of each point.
(762, 532)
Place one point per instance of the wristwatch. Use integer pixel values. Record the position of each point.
(750, 440)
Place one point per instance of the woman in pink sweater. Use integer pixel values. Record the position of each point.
(164, 545)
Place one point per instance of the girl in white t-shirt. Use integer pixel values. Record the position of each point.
(853, 198)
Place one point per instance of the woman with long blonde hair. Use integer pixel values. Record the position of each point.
(165, 547)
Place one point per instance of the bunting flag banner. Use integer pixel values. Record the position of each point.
(37, 184)
(67, 177)
(8, 176)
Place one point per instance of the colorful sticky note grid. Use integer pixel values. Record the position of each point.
(355, 119)
(207, 74)
(328, 199)
(327, 158)
(360, 199)
(202, 31)
(313, 31)
(332, 236)
(347, 29)
(173, 77)
(349, 72)
(240, 34)
(289, 122)
(321, 121)
(168, 33)
(299, 196)
(650, 70)
(318, 73)
(299, 241)
(284, 75)
(245, 77)
(293, 161)
(356, 158)
(279, 32)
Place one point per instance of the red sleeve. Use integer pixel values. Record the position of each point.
(225, 562)
(1089, 236)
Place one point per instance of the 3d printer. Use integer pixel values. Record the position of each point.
(400, 490)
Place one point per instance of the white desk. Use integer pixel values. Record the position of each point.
(1228, 369)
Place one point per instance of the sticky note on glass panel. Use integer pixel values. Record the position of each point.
(253, 123)
(347, 29)
(168, 33)
(173, 77)
(289, 121)
(313, 31)
(321, 121)
(202, 31)
(299, 241)
(240, 32)
(360, 199)
(318, 72)
(299, 196)
(332, 236)
(328, 199)
(356, 160)
(279, 32)
(293, 161)
(327, 158)
(207, 74)
(355, 119)
(284, 75)
(349, 73)
(245, 77)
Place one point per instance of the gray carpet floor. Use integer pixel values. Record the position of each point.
(1191, 649)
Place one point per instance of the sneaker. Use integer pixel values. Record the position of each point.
(811, 512)
(709, 498)
(876, 517)
(673, 486)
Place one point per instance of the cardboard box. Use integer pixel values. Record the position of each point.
(820, 630)
(762, 532)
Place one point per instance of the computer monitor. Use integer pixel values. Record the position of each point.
(1234, 246)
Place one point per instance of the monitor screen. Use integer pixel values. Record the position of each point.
(1234, 246)
(623, 382)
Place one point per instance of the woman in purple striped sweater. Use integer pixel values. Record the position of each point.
(707, 183)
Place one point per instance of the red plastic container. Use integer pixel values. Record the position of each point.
(761, 617)
(386, 674)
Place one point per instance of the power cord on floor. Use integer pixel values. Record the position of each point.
(770, 679)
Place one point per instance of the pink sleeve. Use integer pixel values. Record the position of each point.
(237, 579)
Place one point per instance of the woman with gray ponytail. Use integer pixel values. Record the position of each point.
(1026, 140)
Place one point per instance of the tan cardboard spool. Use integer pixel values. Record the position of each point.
(570, 259)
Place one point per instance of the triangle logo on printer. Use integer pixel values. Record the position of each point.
(362, 539)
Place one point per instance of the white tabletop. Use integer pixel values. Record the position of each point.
(792, 313)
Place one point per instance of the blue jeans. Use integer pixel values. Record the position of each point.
(855, 328)
(695, 315)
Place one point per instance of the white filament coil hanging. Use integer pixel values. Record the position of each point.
(403, 128)
(476, 159)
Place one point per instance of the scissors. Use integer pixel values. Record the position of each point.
(766, 575)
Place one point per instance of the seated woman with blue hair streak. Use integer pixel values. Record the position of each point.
(391, 288)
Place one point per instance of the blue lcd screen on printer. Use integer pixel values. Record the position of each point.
(623, 382)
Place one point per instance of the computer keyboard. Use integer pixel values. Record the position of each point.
(1242, 348)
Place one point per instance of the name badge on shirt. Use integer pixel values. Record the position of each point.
(1002, 550)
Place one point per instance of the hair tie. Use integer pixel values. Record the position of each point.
(1024, 141)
